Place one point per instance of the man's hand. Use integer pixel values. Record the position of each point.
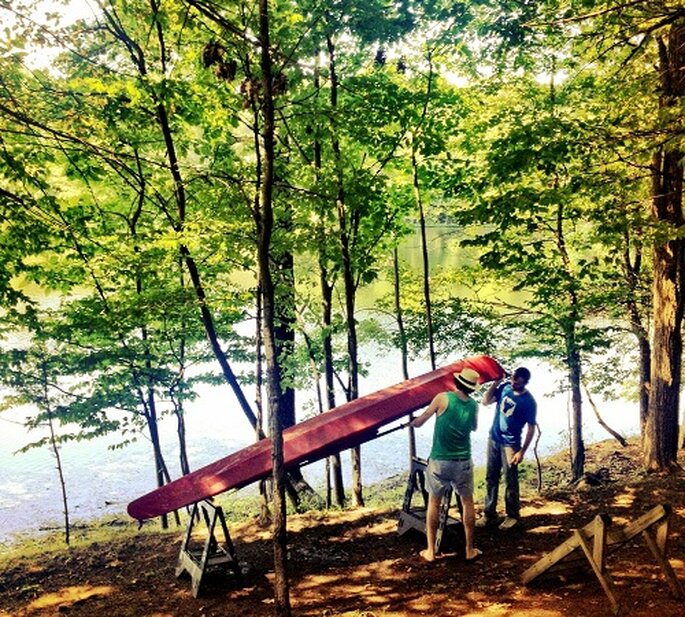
(517, 457)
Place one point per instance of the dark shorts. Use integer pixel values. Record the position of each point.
(440, 475)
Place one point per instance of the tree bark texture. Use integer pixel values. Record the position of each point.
(660, 441)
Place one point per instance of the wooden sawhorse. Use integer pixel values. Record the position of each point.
(589, 545)
(415, 517)
(214, 556)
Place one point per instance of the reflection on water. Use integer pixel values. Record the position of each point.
(102, 481)
(99, 481)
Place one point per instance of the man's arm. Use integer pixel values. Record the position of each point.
(489, 396)
(518, 456)
(438, 404)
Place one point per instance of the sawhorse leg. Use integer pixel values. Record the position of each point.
(658, 545)
(595, 555)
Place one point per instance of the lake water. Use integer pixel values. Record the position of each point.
(102, 481)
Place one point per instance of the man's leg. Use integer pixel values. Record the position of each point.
(512, 500)
(469, 520)
(432, 520)
(462, 482)
(492, 475)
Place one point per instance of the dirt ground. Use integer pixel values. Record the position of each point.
(354, 563)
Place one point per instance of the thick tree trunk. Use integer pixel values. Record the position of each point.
(284, 331)
(660, 441)
(285, 320)
(661, 429)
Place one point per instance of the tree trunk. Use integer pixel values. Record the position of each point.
(329, 376)
(345, 236)
(632, 266)
(424, 257)
(333, 463)
(661, 429)
(60, 473)
(660, 443)
(184, 463)
(645, 354)
(153, 429)
(572, 352)
(265, 220)
(352, 351)
(284, 333)
(284, 330)
(264, 494)
(577, 443)
(55, 451)
(403, 345)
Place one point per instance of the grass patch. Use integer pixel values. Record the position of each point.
(27, 547)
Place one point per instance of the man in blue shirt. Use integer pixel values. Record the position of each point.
(515, 409)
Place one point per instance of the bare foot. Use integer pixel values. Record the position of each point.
(426, 555)
(474, 554)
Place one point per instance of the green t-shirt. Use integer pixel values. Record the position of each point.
(452, 433)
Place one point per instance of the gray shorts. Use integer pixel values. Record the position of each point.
(440, 475)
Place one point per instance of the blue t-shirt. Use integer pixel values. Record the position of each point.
(512, 412)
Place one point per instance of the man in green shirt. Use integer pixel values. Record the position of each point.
(450, 461)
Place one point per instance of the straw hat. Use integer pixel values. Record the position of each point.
(467, 378)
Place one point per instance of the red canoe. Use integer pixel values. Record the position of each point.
(345, 426)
